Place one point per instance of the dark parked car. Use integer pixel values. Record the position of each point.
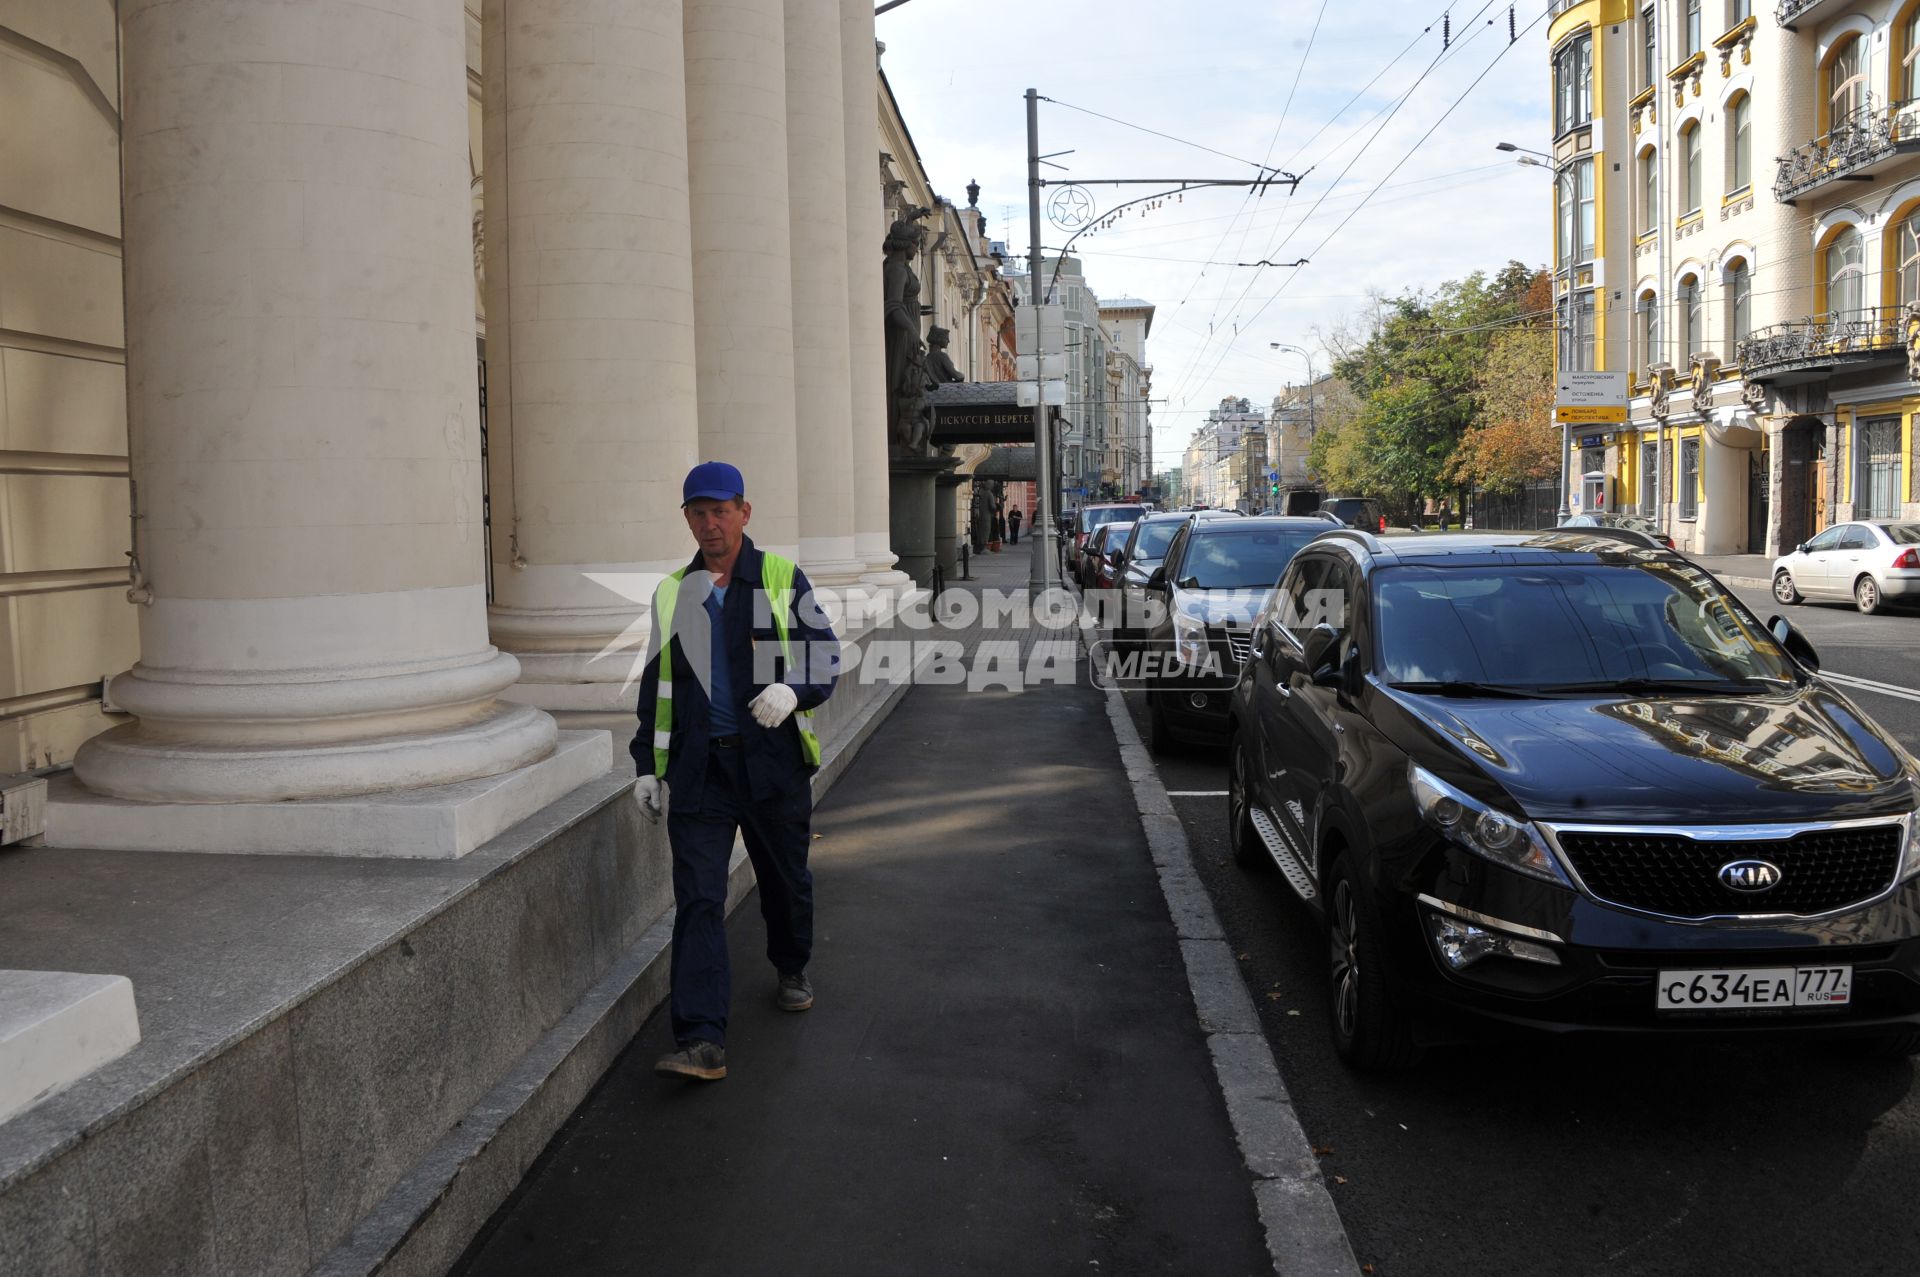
(1354, 512)
(1204, 596)
(1146, 546)
(1102, 550)
(1087, 521)
(1544, 780)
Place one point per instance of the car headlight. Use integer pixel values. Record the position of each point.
(1910, 864)
(1492, 834)
(1189, 640)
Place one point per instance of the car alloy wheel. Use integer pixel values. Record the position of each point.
(1248, 851)
(1369, 1031)
(1783, 588)
(1866, 595)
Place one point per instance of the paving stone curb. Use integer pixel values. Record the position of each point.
(1304, 1232)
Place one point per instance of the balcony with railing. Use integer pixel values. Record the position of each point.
(1790, 13)
(1859, 145)
(1874, 334)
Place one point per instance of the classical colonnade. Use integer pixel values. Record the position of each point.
(682, 248)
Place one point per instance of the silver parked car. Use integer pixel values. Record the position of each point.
(1871, 562)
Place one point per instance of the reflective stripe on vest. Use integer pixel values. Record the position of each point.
(776, 577)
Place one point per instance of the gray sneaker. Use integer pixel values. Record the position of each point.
(699, 1059)
(795, 993)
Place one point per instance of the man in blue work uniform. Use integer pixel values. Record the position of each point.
(724, 745)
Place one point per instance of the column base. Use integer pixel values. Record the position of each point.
(438, 822)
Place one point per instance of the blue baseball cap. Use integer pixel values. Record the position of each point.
(712, 481)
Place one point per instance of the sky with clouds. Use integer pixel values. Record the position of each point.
(1366, 110)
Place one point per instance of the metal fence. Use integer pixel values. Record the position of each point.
(1528, 509)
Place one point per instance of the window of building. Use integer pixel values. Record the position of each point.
(1647, 326)
(1908, 76)
(1688, 497)
(1649, 475)
(1846, 274)
(1690, 32)
(1574, 193)
(1580, 339)
(1739, 305)
(1846, 81)
(1649, 64)
(1877, 488)
(1907, 241)
(1649, 191)
(1690, 170)
(1740, 143)
(1573, 83)
(1690, 333)
(1738, 11)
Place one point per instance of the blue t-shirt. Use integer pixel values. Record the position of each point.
(720, 720)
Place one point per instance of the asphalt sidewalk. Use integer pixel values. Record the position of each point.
(1004, 1071)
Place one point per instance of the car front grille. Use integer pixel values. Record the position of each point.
(1237, 641)
(1821, 870)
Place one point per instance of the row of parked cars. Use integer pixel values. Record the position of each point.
(1560, 780)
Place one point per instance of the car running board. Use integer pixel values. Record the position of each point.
(1290, 867)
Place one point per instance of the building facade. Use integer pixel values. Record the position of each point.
(274, 312)
(1735, 199)
(1668, 252)
(1838, 374)
(1129, 322)
(1216, 471)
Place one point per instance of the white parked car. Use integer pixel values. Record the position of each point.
(1871, 562)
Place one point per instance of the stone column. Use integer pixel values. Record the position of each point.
(742, 253)
(817, 185)
(866, 230)
(303, 410)
(591, 412)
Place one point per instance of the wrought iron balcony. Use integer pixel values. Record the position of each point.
(1869, 335)
(1788, 12)
(1856, 146)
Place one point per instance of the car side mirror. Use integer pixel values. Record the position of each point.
(1322, 665)
(1794, 642)
(1157, 579)
(1117, 557)
(1801, 548)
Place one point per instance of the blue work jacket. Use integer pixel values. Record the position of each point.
(774, 761)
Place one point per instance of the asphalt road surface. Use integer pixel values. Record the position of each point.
(1545, 1156)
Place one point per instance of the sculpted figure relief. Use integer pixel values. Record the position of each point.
(908, 414)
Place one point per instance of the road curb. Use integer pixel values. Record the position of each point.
(1304, 1232)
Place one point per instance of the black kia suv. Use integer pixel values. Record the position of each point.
(1566, 781)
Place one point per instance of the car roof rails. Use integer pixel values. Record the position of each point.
(1369, 542)
(1633, 536)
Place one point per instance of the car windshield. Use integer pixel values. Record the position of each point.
(1154, 538)
(1902, 533)
(1553, 626)
(1237, 558)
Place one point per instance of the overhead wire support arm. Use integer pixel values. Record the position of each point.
(1173, 186)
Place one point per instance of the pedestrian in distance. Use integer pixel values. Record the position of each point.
(1014, 518)
(738, 659)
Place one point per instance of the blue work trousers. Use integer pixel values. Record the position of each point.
(777, 833)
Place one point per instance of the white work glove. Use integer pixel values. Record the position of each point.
(771, 707)
(647, 794)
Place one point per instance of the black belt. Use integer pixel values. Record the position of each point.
(723, 742)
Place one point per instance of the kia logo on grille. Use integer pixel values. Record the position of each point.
(1750, 875)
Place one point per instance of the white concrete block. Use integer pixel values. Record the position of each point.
(55, 1028)
(440, 822)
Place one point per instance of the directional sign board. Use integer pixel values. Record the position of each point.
(1590, 398)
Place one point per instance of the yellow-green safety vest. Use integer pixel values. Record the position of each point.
(776, 578)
